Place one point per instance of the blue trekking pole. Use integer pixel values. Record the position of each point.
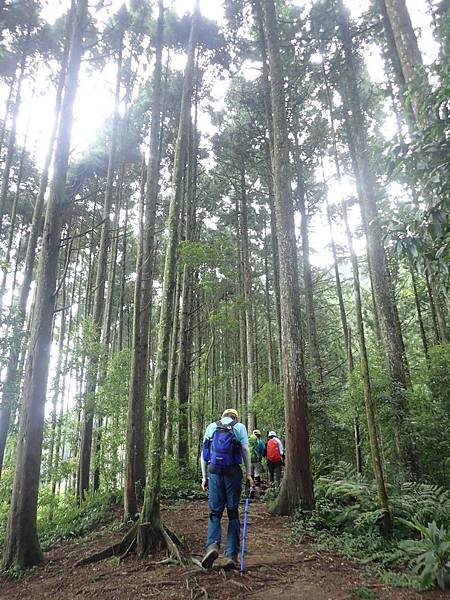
(244, 533)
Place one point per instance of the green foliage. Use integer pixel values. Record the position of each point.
(67, 520)
(421, 502)
(431, 554)
(439, 372)
(180, 483)
(70, 520)
(113, 391)
(347, 518)
(268, 404)
(86, 341)
(430, 407)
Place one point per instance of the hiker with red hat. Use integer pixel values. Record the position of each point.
(275, 458)
(225, 447)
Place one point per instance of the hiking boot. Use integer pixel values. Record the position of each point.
(232, 562)
(212, 552)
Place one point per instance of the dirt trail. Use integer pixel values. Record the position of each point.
(277, 569)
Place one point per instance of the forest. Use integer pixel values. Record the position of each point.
(212, 204)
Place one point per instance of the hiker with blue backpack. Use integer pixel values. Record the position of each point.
(225, 447)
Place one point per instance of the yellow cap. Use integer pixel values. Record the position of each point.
(230, 411)
(256, 432)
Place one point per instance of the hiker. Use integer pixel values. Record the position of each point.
(257, 453)
(275, 458)
(225, 446)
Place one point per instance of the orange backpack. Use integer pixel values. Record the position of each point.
(273, 451)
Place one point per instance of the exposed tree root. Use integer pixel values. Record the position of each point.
(172, 547)
(146, 538)
(127, 551)
(118, 549)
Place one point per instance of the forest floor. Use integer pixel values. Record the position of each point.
(277, 568)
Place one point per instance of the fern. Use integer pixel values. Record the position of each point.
(347, 518)
(421, 502)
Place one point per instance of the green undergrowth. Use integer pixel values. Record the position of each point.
(61, 518)
(180, 483)
(70, 520)
(347, 519)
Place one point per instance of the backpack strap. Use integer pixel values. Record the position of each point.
(223, 426)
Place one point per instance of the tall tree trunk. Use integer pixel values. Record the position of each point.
(412, 80)
(184, 366)
(10, 385)
(60, 439)
(11, 142)
(270, 349)
(423, 334)
(122, 281)
(247, 287)
(297, 487)
(259, 20)
(187, 301)
(307, 277)
(151, 533)
(435, 301)
(21, 545)
(12, 225)
(368, 399)
(56, 385)
(135, 445)
(23, 239)
(409, 56)
(8, 105)
(339, 293)
(172, 367)
(385, 304)
(99, 296)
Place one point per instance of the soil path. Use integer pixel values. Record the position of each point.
(276, 569)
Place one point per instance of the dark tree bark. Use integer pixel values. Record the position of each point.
(135, 448)
(308, 282)
(247, 289)
(411, 78)
(408, 58)
(21, 545)
(297, 487)
(259, 20)
(270, 348)
(423, 335)
(56, 385)
(10, 385)
(151, 532)
(187, 301)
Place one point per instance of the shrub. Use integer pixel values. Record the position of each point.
(431, 554)
(346, 518)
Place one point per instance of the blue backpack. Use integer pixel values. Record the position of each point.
(223, 449)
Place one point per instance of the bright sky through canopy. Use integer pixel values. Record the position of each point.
(94, 102)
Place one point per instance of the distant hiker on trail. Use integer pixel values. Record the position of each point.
(275, 458)
(225, 446)
(257, 453)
